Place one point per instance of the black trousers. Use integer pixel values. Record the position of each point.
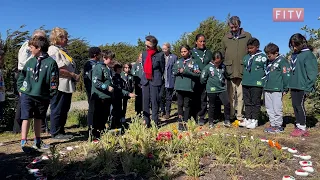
(223, 96)
(252, 101)
(98, 114)
(184, 100)
(151, 95)
(166, 100)
(199, 102)
(60, 106)
(138, 99)
(117, 111)
(124, 106)
(298, 98)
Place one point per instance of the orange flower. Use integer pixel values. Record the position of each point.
(271, 144)
(185, 155)
(277, 145)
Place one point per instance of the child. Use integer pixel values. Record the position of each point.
(94, 54)
(128, 86)
(118, 95)
(184, 84)
(304, 73)
(37, 83)
(213, 75)
(101, 94)
(252, 84)
(275, 86)
(137, 72)
(2, 86)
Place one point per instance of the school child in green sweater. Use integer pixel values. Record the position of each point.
(183, 71)
(304, 73)
(276, 79)
(214, 77)
(128, 86)
(37, 83)
(252, 84)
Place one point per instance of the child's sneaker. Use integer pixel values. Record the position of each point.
(253, 124)
(279, 129)
(244, 123)
(25, 147)
(269, 129)
(227, 123)
(40, 145)
(299, 132)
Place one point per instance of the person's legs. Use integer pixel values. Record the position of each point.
(27, 106)
(203, 110)
(162, 100)
(138, 99)
(277, 106)
(298, 98)
(256, 94)
(231, 92)
(180, 104)
(247, 96)
(146, 103)
(238, 87)
(223, 96)
(186, 104)
(155, 101)
(212, 103)
(169, 93)
(66, 98)
(17, 121)
(124, 106)
(268, 98)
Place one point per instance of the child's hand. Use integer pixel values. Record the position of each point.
(284, 93)
(132, 95)
(110, 89)
(181, 70)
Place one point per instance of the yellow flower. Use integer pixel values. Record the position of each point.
(236, 123)
(175, 131)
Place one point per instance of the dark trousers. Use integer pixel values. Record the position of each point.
(223, 96)
(252, 101)
(117, 112)
(98, 114)
(184, 100)
(151, 94)
(60, 106)
(138, 99)
(199, 102)
(124, 106)
(298, 98)
(166, 99)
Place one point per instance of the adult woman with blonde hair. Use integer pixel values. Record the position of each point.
(60, 103)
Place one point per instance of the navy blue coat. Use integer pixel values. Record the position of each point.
(158, 65)
(169, 83)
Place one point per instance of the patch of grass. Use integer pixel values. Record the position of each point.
(79, 96)
(77, 118)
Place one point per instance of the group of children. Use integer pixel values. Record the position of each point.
(107, 90)
(269, 73)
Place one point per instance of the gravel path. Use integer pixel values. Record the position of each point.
(79, 105)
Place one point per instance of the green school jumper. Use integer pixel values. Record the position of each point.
(214, 78)
(201, 58)
(101, 80)
(48, 81)
(185, 81)
(253, 73)
(278, 75)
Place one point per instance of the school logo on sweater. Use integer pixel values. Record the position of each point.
(24, 86)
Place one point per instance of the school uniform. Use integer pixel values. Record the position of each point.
(87, 76)
(137, 72)
(252, 83)
(214, 78)
(167, 88)
(184, 85)
(128, 86)
(100, 100)
(304, 68)
(61, 101)
(276, 82)
(37, 83)
(201, 58)
(151, 87)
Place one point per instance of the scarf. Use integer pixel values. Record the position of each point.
(293, 60)
(65, 53)
(268, 69)
(36, 70)
(148, 64)
(203, 56)
(250, 61)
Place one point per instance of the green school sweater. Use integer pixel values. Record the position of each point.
(48, 80)
(305, 74)
(279, 75)
(185, 81)
(254, 76)
(101, 80)
(201, 58)
(214, 78)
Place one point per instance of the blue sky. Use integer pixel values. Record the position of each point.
(108, 21)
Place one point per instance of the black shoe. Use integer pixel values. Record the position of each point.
(62, 137)
(182, 127)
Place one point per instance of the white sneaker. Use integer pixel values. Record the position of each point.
(245, 122)
(253, 124)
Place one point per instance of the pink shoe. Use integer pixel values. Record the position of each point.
(299, 132)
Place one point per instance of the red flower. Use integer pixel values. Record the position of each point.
(180, 136)
(150, 155)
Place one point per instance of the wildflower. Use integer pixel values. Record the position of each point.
(271, 144)
(175, 131)
(185, 155)
(277, 145)
(188, 134)
(236, 123)
(180, 136)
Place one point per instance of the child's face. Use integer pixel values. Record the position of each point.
(217, 60)
(294, 47)
(140, 58)
(126, 68)
(184, 52)
(201, 42)
(35, 51)
(252, 49)
(272, 57)
(107, 61)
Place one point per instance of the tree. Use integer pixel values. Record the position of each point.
(213, 29)
(125, 53)
(78, 50)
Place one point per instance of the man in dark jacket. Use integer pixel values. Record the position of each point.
(234, 48)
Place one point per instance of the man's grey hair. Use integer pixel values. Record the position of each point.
(234, 20)
(39, 32)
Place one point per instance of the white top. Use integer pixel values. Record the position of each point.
(2, 87)
(65, 84)
(24, 55)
